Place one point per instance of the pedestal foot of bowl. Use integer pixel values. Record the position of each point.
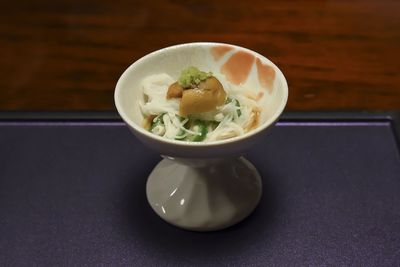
(204, 197)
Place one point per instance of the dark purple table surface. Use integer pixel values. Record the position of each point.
(72, 193)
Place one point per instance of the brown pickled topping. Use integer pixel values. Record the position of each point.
(174, 91)
(209, 95)
(147, 122)
(212, 84)
(254, 120)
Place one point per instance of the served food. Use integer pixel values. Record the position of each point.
(197, 107)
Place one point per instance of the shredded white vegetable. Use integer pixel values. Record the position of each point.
(231, 119)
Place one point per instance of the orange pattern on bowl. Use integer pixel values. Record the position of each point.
(266, 75)
(219, 51)
(237, 67)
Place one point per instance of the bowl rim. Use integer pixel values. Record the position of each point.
(252, 133)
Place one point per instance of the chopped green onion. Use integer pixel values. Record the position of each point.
(239, 112)
(157, 121)
(200, 128)
(237, 104)
(228, 100)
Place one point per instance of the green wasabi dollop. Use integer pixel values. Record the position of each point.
(192, 76)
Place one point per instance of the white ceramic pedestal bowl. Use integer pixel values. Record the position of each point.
(204, 186)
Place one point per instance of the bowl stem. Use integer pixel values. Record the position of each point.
(204, 195)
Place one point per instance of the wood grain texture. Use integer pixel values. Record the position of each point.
(68, 55)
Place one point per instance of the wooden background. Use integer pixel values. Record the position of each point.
(68, 55)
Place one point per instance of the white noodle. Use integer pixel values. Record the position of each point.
(230, 123)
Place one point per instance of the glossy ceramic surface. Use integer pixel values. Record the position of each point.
(200, 189)
(261, 76)
(206, 198)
